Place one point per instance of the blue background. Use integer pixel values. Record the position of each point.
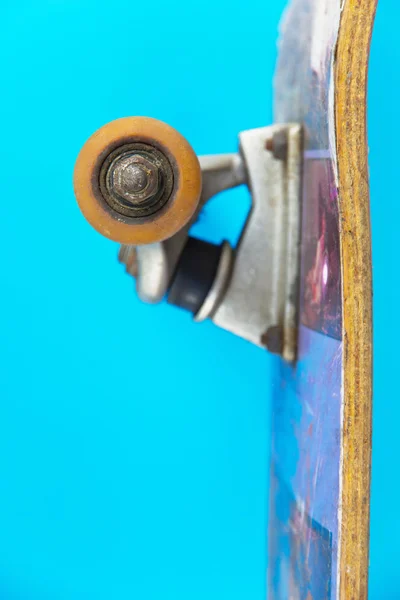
(134, 447)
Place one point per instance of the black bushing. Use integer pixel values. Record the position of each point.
(195, 274)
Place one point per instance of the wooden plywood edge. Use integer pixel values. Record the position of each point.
(351, 69)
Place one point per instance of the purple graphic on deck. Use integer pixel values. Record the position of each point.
(307, 397)
(306, 464)
(303, 567)
(306, 412)
(321, 278)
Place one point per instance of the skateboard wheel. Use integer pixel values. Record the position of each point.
(137, 181)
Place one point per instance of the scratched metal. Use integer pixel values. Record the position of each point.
(305, 474)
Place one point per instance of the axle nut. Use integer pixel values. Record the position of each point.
(137, 181)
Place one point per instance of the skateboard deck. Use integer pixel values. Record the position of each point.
(321, 446)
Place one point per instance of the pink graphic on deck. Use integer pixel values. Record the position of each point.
(306, 467)
(321, 276)
(307, 417)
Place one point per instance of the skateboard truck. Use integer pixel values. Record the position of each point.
(139, 182)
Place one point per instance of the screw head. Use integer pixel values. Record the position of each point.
(133, 178)
(278, 145)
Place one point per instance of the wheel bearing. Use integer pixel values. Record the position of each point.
(158, 217)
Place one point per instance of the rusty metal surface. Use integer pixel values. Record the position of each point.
(156, 194)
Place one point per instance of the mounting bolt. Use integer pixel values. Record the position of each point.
(278, 145)
(133, 178)
(272, 339)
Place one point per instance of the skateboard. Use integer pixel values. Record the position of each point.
(298, 283)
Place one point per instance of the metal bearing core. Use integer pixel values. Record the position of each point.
(136, 180)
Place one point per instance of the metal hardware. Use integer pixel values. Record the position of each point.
(136, 180)
(260, 304)
(157, 263)
(255, 290)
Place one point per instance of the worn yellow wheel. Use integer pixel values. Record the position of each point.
(137, 181)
